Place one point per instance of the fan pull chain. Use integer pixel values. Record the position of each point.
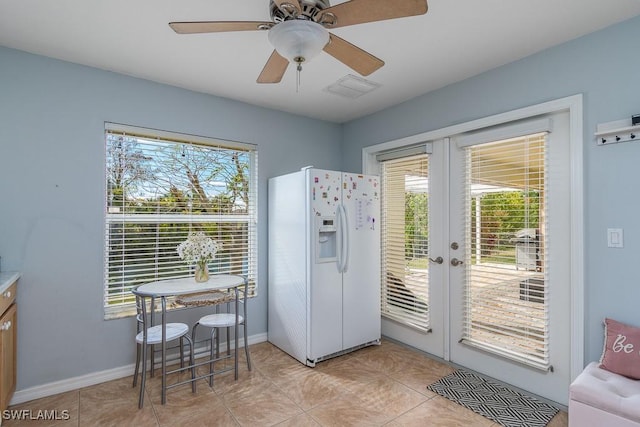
(298, 60)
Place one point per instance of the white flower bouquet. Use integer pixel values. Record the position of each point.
(199, 249)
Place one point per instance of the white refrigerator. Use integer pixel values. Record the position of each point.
(324, 263)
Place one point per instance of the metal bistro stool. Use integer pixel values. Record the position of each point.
(219, 320)
(152, 335)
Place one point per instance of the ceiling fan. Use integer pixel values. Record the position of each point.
(298, 31)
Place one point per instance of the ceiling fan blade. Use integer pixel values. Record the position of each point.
(218, 26)
(274, 69)
(294, 3)
(352, 56)
(361, 11)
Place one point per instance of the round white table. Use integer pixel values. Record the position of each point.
(185, 286)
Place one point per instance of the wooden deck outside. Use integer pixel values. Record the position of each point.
(507, 305)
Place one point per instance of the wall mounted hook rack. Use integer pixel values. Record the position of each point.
(618, 131)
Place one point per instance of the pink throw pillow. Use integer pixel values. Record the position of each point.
(621, 353)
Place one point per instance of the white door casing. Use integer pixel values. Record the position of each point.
(566, 168)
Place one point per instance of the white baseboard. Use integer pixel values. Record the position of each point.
(62, 386)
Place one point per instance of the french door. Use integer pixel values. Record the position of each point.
(496, 265)
(510, 290)
(412, 295)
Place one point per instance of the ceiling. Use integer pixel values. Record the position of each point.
(455, 40)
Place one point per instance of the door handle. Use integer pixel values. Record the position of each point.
(438, 260)
(456, 262)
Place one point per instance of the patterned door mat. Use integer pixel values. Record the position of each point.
(500, 404)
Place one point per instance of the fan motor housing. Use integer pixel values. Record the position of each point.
(311, 10)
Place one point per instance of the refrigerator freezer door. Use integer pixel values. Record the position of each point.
(361, 280)
(288, 276)
(325, 284)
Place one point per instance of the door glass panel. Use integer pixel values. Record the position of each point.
(505, 297)
(405, 240)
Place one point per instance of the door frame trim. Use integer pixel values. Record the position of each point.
(574, 105)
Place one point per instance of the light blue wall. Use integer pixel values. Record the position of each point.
(605, 68)
(52, 116)
(52, 162)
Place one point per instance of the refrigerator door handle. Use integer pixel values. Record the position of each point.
(340, 238)
(344, 226)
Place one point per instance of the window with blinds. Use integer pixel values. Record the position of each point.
(160, 187)
(506, 292)
(405, 239)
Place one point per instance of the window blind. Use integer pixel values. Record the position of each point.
(506, 293)
(405, 240)
(159, 188)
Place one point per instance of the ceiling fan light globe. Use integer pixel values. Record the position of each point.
(298, 39)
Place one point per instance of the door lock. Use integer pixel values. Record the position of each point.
(454, 245)
(438, 260)
(456, 262)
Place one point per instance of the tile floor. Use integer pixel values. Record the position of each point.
(376, 386)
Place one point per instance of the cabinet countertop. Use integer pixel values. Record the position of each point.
(7, 278)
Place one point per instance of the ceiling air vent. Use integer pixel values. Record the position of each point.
(351, 86)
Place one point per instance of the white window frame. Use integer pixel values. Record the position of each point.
(398, 304)
(127, 309)
(514, 137)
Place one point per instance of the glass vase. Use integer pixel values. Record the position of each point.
(202, 272)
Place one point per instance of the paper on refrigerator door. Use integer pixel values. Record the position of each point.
(366, 212)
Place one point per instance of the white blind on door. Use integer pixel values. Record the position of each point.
(162, 186)
(405, 240)
(506, 293)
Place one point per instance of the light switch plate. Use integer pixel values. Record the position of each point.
(615, 238)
